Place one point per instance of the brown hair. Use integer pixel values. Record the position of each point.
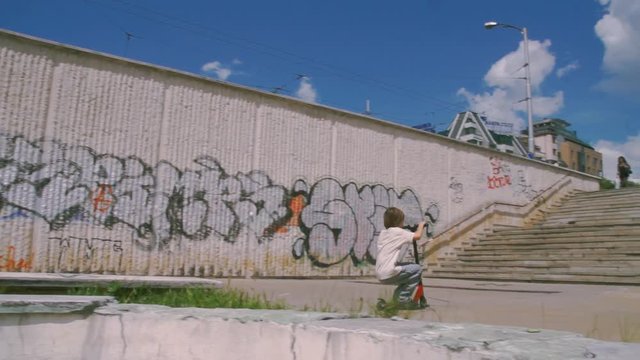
(393, 217)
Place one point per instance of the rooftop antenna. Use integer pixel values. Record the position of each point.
(367, 109)
(129, 37)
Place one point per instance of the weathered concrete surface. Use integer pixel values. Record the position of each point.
(597, 311)
(119, 331)
(21, 279)
(18, 304)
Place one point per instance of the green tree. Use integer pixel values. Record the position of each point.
(606, 184)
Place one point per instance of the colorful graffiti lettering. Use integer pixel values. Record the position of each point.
(103, 198)
(500, 174)
(8, 261)
(296, 204)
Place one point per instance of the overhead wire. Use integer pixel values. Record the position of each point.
(231, 39)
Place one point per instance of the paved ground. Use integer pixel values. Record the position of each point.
(598, 311)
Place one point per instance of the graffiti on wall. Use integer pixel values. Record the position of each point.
(523, 187)
(500, 174)
(342, 222)
(63, 184)
(457, 195)
(72, 247)
(10, 262)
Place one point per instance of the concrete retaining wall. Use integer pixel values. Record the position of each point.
(111, 166)
(131, 332)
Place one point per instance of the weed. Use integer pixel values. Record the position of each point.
(629, 330)
(390, 309)
(183, 297)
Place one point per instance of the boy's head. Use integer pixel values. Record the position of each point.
(393, 217)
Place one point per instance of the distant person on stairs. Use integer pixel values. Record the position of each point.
(624, 170)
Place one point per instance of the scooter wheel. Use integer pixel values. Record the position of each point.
(423, 303)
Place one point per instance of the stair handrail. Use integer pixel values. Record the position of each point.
(537, 200)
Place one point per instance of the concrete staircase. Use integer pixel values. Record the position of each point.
(589, 238)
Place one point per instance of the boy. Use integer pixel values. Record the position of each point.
(393, 243)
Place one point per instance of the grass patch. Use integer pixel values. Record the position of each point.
(183, 297)
(606, 184)
(629, 330)
(390, 309)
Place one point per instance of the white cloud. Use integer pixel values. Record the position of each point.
(506, 71)
(610, 150)
(567, 69)
(306, 91)
(504, 101)
(543, 106)
(497, 105)
(619, 31)
(218, 69)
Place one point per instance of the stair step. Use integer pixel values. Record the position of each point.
(597, 213)
(567, 228)
(535, 265)
(602, 270)
(601, 279)
(555, 255)
(601, 199)
(605, 194)
(548, 258)
(595, 221)
(563, 234)
(519, 241)
(554, 246)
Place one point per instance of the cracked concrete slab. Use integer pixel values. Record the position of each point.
(20, 279)
(132, 331)
(20, 304)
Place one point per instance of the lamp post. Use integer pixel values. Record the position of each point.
(527, 77)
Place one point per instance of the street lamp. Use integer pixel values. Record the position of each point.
(527, 77)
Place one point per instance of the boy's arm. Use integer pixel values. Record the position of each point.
(418, 234)
(424, 241)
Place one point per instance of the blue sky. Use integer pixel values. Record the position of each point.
(416, 61)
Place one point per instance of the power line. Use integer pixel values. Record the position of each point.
(218, 35)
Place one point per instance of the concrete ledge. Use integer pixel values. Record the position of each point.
(21, 279)
(129, 331)
(19, 304)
